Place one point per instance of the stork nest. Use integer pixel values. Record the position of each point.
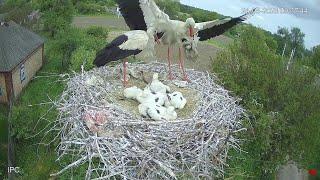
(121, 144)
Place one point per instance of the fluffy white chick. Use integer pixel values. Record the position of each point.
(132, 92)
(157, 86)
(156, 112)
(151, 97)
(176, 100)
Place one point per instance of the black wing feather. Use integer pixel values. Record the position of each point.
(218, 29)
(132, 14)
(112, 52)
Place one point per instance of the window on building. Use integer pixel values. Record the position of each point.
(22, 73)
(1, 91)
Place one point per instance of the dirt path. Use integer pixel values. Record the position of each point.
(104, 21)
(207, 52)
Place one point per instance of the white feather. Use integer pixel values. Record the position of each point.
(132, 92)
(157, 86)
(176, 100)
(136, 40)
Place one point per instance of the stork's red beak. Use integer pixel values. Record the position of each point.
(191, 32)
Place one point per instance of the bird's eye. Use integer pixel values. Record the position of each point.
(184, 40)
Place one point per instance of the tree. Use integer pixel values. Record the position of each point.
(297, 41)
(57, 14)
(290, 40)
(171, 7)
(16, 10)
(315, 58)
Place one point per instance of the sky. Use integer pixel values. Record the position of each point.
(308, 21)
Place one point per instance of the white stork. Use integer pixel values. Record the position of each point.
(143, 14)
(125, 45)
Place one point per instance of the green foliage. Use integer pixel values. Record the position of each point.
(171, 7)
(281, 105)
(75, 47)
(57, 14)
(293, 39)
(98, 32)
(37, 162)
(89, 8)
(3, 140)
(315, 58)
(84, 57)
(16, 10)
(199, 15)
(93, 6)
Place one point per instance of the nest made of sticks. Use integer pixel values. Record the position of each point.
(125, 145)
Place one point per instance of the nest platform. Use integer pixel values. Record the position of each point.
(127, 146)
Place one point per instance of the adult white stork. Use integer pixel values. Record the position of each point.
(142, 14)
(128, 44)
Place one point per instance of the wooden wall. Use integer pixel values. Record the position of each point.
(29, 68)
(3, 93)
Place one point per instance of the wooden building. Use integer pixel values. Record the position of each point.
(21, 56)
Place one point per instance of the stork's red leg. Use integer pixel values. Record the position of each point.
(181, 65)
(169, 63)
(125, 81)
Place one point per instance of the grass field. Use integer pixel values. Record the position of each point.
(36, 161)
(3, 139)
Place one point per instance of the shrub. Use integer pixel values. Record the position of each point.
(89, 8)
(280, 103)
(72, 41)
(98, 32)
(82, 56)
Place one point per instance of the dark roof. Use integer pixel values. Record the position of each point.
(16, 43)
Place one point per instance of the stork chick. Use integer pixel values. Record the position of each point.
(151, 97)
(157, 86)
(156, 112)
(132, 92)
(176, 100)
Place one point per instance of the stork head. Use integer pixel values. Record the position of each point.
(190, 24)
(190, 46)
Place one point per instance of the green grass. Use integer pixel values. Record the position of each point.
(3, 139)
(106, 15)
(283, 108)
(36, 162)
(216, 43)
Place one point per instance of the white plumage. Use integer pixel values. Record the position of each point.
(125, 45)
(132, 92)
(145, 14)
(151, 97)
(154, 101)
(137, 40)
(156, 112)
(176, 100)
(157, 86)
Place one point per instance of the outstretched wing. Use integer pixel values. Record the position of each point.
(210, 29)
(141, 14)
(132, 14)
